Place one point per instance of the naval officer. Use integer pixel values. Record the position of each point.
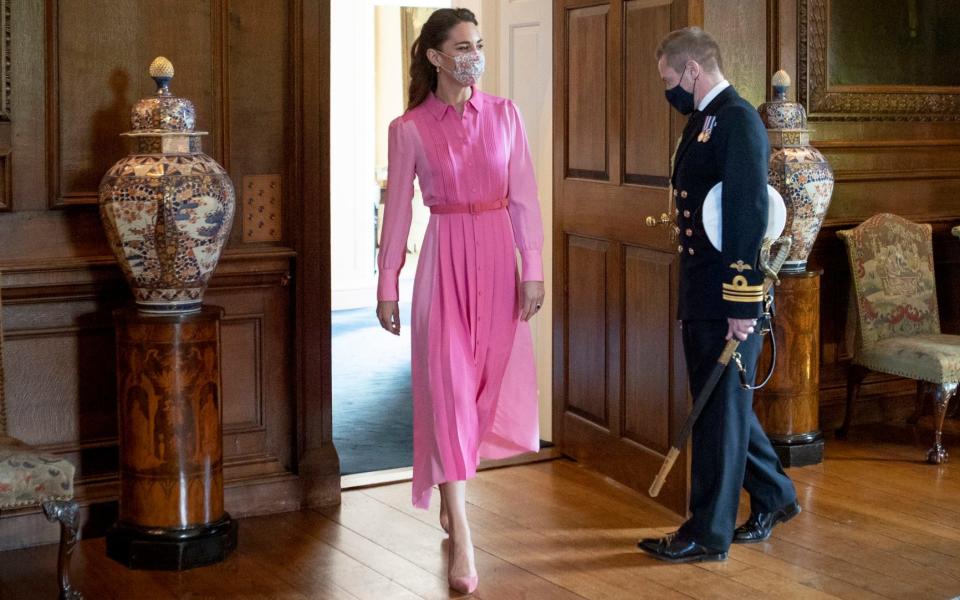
(720, 297)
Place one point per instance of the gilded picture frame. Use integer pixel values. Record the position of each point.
(875, 100)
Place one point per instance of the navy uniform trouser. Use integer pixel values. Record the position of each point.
(730, 449)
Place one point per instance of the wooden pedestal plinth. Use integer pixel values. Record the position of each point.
(788, 406)
(171, 455)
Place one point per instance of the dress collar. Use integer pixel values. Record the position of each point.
(438, 108)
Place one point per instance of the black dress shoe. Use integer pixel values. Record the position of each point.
(759, 525)
(675, 549)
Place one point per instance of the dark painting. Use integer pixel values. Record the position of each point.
(894, 43)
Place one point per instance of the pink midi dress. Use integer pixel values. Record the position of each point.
(473, 373)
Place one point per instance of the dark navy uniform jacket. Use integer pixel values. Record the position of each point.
(714, 284)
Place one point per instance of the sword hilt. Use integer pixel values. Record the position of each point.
(772, 268)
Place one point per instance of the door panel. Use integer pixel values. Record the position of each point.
(586, 64)
(620, 390)
(647, 115)
(586, 318)
(646, 347)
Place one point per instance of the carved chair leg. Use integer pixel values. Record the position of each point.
(922, 390)
(941, 399)
(855, 375)
(68, 514)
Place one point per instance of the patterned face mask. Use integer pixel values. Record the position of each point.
(467, 68)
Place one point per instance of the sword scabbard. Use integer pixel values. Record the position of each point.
(665, 468)
(770, 268)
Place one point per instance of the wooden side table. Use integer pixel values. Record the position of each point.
(789, 405)
(171, 446)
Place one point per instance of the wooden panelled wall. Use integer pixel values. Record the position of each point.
(259, 77)
(907, 165)
(619, 385)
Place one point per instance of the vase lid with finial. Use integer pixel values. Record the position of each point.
(163, 113)
(785, 120)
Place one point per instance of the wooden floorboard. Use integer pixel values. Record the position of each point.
(878, 524)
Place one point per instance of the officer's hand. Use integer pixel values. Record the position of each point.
(740, 328)
(389, 314)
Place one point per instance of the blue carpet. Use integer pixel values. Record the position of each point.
(372, 407)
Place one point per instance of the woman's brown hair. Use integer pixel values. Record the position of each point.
(423, 75)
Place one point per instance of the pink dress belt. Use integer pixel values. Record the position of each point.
(475, 208)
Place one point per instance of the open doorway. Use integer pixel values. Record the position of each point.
(372, 408)
(372, 411)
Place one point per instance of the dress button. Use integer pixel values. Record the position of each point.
(689, 233)
(686, 214)
(674, 193)
(690, 250)
(683, 194)
(680, 249)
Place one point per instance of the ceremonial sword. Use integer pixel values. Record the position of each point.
(770, 270)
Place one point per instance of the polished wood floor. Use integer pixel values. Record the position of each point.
(877, 523)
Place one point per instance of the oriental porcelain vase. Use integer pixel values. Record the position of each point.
(797, 170)
(167, 207)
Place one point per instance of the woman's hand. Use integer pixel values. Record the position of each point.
(388, 311)
(531, 298)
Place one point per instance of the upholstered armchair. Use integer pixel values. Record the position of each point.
(29, 477)
(898, 323)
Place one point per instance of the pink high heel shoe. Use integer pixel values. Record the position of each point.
(464, 585)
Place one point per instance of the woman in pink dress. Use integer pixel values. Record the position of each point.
(473, 373)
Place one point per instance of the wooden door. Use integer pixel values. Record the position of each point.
(620, 388)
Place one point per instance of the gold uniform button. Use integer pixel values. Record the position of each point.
(690, 250)
(683, 194)
(689, 233)
(686, 214)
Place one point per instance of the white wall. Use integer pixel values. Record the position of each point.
(354, 111)
(353, 186)
(390, 88)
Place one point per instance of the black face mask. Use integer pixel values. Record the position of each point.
(679, 98)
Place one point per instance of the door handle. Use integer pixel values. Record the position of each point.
(664, 220)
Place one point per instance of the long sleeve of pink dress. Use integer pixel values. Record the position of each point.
(472, 364)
